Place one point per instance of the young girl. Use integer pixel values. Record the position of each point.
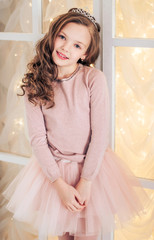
(75, 186)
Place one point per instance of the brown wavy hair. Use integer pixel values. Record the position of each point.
(42, 71)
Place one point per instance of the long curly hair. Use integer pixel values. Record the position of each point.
(42, 71)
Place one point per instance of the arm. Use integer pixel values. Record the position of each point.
(99, 113)
(38, 140)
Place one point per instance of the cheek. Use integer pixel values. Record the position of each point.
(57, 43)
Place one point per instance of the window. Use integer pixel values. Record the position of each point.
(126, 59)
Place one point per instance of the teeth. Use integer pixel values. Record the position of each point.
(62, 55)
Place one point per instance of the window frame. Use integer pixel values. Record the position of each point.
(105, 15)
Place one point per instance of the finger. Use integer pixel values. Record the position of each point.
(69, 209)
(86, 203)
(78, 197)
(78, 206)
(73, 208)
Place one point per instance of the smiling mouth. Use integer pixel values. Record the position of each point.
(61, 56)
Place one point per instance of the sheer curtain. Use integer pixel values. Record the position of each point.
(134, 90)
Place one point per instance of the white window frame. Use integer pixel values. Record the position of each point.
(110, 42)
(104, 10)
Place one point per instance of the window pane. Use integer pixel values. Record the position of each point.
(135, 109)
(53, 8)
(135, 19)
(13, 135)
(16, 16)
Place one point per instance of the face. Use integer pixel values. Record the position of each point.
(70, 45)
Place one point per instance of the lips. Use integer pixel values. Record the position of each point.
(62, 56)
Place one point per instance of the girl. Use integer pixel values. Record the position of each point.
(75, 185)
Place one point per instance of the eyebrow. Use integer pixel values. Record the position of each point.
(75, 40)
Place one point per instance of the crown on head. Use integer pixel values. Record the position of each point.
(86, 14)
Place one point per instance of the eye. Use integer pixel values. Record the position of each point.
(61, 36)
(77, 46)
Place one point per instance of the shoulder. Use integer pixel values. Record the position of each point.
(93, 76)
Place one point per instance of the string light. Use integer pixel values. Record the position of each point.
(122, 131)
(30, 4)
(120, 34)
(128, 91)
(127, 119)
(136, 52)
(51, 19)
(144, 154)
(121, 17)
(144, 35)
(117, 75)
(19, 122)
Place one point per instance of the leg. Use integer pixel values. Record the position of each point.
(86, 238)
(66, 237)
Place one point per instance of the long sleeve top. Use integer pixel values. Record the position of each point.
(76, 128)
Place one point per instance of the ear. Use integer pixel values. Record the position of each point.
(83, 57)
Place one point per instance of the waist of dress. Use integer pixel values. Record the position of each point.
(67, 156)
(66, 160)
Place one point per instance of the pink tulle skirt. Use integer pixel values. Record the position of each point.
(116, 197)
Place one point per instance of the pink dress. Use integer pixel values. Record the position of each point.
(71, 140)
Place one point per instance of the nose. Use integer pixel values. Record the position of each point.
(66, 46)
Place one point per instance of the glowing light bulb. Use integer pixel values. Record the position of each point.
(127, 119)
(136, 51)
(142, 78)
(51, 19)
(144, 35)
(143, 154)
(141, 120)
(133, 22)
(122, 131)
(27, 21)
(19, 121)
(15, 54)
(118, 75)
(30, 4)
(13, 133)
(150, 69)
(120, 34)
(50, 1)
(128, 91)
(121, 17)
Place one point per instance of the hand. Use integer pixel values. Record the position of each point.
(68, 195)
(84, 189)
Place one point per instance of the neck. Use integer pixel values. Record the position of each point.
(65, 72)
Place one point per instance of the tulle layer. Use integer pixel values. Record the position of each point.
(116, 194)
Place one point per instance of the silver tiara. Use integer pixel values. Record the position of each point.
(86, 14)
